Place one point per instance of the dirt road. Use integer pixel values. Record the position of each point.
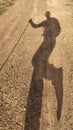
(23, 106)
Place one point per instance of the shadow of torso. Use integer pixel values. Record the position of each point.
(40, 58)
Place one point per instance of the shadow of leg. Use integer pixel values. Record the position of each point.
(56, 76)
(58, 84)
(34, 104)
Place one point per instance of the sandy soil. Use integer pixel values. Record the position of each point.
(23, 106)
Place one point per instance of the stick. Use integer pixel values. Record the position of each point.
(14, 47)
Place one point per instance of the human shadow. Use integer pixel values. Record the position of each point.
(42, 69)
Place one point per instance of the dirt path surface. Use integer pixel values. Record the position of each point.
(23, 106)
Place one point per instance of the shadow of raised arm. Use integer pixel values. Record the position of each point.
(35, 25)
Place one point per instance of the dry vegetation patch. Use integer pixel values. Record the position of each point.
(4, 4)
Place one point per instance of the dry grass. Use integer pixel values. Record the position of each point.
(4, 4)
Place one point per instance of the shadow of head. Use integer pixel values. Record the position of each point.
(47, 14)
